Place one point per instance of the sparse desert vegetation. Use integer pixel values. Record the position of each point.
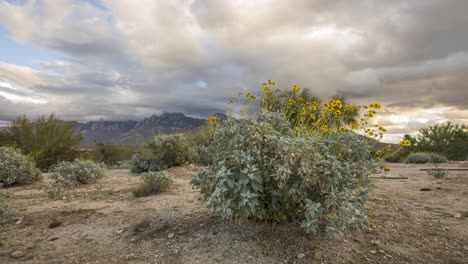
(285, 181)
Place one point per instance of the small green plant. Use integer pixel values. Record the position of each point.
(6, 212)
(438, 173)
(67, 175)
(202, 155)
(16, 168)
(153, 183)
(164, 151)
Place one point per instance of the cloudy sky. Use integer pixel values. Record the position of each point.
(126, 59)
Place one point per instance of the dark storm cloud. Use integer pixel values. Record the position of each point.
(132, 59)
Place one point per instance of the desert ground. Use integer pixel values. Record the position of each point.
(104, 223)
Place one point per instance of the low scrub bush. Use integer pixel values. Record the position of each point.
(66, 175)
(422, 157)
(6, 212)
(437, 173)
(153, 183)
(16, 168)
(145, 162)
(164, 151)
(418, 158)
(436, 158)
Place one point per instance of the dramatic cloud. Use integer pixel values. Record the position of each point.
(120, 59)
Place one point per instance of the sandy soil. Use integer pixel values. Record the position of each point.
(96, 224)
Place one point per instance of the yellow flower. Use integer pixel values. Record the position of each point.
(337, 112)
(338, 103)
(270, 82)
(405, 143)
(378, 152)
(251, 96)
(343, 129)
(304, 111)
(375, 105)
(212, 119)
(296, 88)
(291, 101)
(266, 89)
(382, 129)
(312, 116)
(353, 125)
(324, 129)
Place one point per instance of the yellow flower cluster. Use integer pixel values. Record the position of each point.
(354, 125)
(251, 96)
(405, 143)
(296, 88)
(266, 89)
(351, 107)
(213, 119)
(272, 83)
(375, 105)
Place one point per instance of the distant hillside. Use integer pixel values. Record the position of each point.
(135, 132)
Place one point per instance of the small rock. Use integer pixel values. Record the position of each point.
(446, 228)
(171, 235)
(18, 254)
(300, 255)
(375, 242)
(373, 252)
(457, 215)
(120, 231)
(426, 189)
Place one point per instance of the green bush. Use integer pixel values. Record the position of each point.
(47, 139)
(436, 158)
(153, 183)
(15, 168)
(422, 157)
(264, 169)
(202, 155)
(6, 212)
(437, 173)
(144, 162)
(66, 175)
(164, 151)
(110, 154)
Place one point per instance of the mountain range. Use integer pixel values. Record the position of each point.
(135, 132)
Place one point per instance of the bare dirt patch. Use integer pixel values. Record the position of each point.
(104, 223)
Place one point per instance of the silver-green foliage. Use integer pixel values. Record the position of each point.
(153, 183)
(66, 175)
(423, 157)
(265, 170)
(164, 151)
(16, 168)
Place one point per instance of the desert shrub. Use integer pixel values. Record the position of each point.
(264, 169)
(47, 139)
(6, 212)
(165, 218)
(418, 158)
(164, 151)
(438, 173)
(110, 154)
(15, 168)
(123, 164)
(66, 175)
(294, 159)
(422, 157)
(153, 183)
(144, 162)
(449, 139)
(437, 158)
(202, 155)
